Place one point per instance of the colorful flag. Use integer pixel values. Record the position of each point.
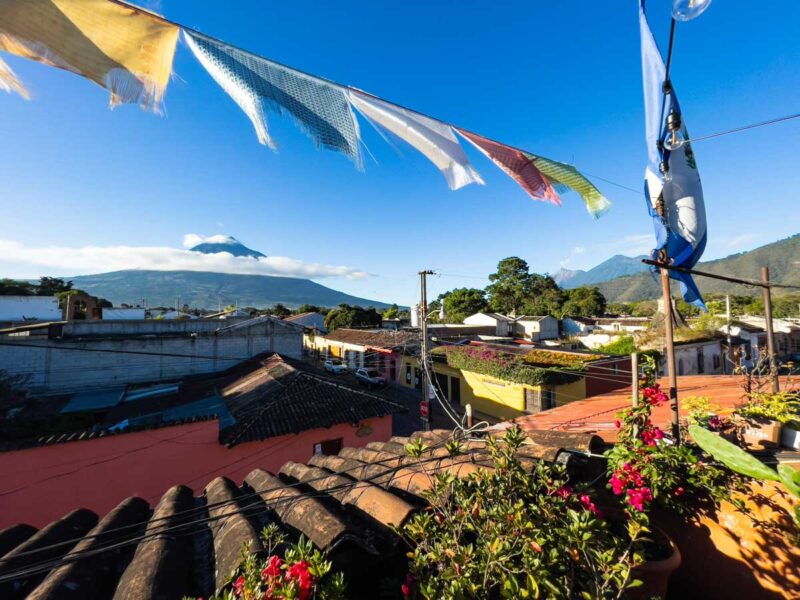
(568, 176)
(433, 138)
(675, 202)
(9, 81)
(126, 50)
(320, 107)
(517, 165)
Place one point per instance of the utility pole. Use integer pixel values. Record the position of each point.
(729, 366)
(670, 350)
(424, 407)
(767, 293)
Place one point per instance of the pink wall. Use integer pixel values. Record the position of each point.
(41, 484)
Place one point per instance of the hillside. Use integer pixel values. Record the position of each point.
(616, 266)
(782, 258)
(209, 290)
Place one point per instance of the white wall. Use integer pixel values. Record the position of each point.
(22, 308)
(119, 352)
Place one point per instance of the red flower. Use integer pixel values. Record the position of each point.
(408, 587)
(715, 423)
(617, 484)
(651, 434)
(273, 569)
(679, 491)
(238, 586)
(617, 424)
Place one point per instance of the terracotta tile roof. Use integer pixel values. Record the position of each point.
(597, 414)
(285, 396)
(346, 504)
(375, 338)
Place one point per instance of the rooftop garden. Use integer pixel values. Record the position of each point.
(537, 367)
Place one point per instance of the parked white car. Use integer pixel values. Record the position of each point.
(335, 366)
(370, 377)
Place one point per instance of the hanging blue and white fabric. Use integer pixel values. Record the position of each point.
(681, 231)
(320, 107)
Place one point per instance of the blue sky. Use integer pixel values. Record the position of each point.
(561, 79)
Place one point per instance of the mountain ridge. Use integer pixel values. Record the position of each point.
(206, 289)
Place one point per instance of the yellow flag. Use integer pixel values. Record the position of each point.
(125, 49)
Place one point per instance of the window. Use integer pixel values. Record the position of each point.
(716, 361)
(548, 399)
(455, 390)
(328, 447)
(701, 361)
(408, 374)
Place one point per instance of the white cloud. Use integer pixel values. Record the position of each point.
(192, 239)
(18, 260)
(578, 250)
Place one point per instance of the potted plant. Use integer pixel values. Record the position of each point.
(764, 415)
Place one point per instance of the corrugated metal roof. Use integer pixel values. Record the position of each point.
(94, 400)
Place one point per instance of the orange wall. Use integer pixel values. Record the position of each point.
(41, 484)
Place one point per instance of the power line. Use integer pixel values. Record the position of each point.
(745, 127)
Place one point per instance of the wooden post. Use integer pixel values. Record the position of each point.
(767, 293)
(468, 408)
(670, 350)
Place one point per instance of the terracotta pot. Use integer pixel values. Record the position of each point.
(655, 574)
(762, 433)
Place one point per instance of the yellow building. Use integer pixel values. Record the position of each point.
(499, 398)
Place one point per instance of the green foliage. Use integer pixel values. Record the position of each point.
(584, 302)
(14, 287)
(512, 367)
(304, 308)
(508, 533)
(352, 316)
(783, 406)
(618, 308)
(52, 286)
(510, 285)
(624, 344)
(645, 308)
(392, 312)
(463, 302)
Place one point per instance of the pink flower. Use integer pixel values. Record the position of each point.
(238, 586)
(638, 496)
(617, 484)
(715, 423)
(651, 434)
(617, 424)
(408, 587)
(565, 491)
(587, 503)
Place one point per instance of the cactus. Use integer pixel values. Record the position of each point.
(790, 478)
(731, 455)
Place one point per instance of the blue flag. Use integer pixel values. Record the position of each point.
(681, 230)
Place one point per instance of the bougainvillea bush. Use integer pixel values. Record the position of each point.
(509, 533)
(301, 573)
(644, 466)
(511, 367)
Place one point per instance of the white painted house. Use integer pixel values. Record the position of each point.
(705, 357)
(577, 325)
(504, 326)
(16, 309)
(536, 328)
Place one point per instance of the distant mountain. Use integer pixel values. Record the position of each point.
(782, 258)
(209, 290)
(616, 266)
(225, 243)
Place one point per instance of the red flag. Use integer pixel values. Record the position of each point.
(517, 165)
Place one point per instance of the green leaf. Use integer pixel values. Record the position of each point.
(790, 478)
(731, 455)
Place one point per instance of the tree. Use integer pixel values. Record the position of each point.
(352, 316)
(392, 312)
(618, 308)
(624, 344)
(510, 287)
(645, 308)
(463, 302)
(305, 308)
(280, 311)
(51, 286)
(584, 301)
(14, 287)
(544, 296)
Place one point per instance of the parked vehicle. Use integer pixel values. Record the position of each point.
(370, 377)
(335, 366)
